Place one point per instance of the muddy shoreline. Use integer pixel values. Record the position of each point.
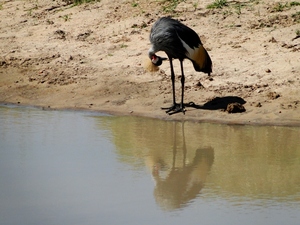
(162, 116)
(92, 57)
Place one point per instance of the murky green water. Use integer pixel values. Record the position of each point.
(65, 167)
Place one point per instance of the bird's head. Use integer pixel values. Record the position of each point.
(157, 60)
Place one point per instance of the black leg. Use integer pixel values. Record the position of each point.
(175, 108)
(175, 105)
(182, 87)
(173, 81)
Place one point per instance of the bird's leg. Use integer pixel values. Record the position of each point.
(180, 107)
(175, 108)
(170, 110)
(173, 81)
(182, 87)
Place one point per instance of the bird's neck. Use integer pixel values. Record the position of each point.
(151, 53)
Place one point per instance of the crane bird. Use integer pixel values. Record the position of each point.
(179, 42)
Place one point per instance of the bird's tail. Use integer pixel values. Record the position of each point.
(201, 60)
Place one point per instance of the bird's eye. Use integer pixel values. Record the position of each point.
(154, 59)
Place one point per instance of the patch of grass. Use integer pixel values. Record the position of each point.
(238, 8)
(297, 35)
(218, 4)
(296, 17)
(123, 46)
(294, 3)
(227, 13)
(170, 5)
(297, 14)
(134, 4)
(279, 7)
(256, 2)
(66, 17)
(79, 2)
(29, 11)
(195, 4)
(50, 22)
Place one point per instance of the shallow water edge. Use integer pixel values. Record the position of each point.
(236, 118)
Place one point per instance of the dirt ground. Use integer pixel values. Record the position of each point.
(92, 56)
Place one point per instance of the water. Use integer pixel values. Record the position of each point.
(66, 167)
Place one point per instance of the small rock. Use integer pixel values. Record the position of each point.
(60, 34)
(83, 36)
(273, 40)
(198, 84)
(273, 95)
(235, 108)
(3, 63)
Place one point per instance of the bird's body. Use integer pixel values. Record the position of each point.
(178, 42)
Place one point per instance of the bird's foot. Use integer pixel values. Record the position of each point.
(175, 108)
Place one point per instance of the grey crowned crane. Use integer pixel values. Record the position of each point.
(179, 42)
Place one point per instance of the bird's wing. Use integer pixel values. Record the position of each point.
(194, 49)
(188, 36)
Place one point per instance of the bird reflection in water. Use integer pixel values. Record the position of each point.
(179, 183)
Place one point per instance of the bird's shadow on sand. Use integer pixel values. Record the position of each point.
(218, 103)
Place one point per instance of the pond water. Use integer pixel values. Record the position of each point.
(67, 167)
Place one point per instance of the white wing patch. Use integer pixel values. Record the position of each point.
(190, 51)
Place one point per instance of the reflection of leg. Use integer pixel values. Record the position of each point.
(184, 145)
(174, 145)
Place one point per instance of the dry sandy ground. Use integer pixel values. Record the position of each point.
(92, 56)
